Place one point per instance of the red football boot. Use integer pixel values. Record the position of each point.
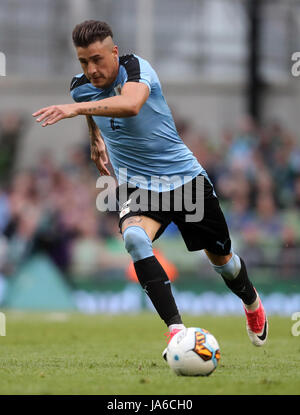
(169, 335)
(257, 325)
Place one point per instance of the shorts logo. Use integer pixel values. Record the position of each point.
(222, 245)
(125, 209)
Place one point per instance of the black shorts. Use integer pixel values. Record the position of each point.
(210, 232)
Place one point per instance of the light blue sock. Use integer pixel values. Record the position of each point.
(137, 243)
(231, 269)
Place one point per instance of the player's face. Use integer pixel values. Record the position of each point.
(100, 62)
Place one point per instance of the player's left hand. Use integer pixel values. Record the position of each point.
(99, 156)
(54, 113)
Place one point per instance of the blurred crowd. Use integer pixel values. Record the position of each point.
(51, 209)
(256, 174)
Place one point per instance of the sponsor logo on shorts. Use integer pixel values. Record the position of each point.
(124, 212)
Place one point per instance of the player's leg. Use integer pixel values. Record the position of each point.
(234, 273)
(233, 270)
(212, 234)
(138, 233)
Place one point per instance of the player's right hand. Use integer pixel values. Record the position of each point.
(99, 156)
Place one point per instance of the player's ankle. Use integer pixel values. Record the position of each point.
(253, 306)
(176, 326)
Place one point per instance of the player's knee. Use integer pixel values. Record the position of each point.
(137, 243)
(231, 269)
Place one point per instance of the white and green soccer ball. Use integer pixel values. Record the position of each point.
(193, 352)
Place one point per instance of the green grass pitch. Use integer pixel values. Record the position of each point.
(79, 354)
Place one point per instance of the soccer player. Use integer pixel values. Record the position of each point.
(127, 114)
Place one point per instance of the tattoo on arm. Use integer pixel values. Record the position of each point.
(94, 130)
(91, 123)
(98, 107)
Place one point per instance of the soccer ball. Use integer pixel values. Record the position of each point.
(193, 352)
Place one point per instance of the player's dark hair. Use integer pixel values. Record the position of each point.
(89, 32)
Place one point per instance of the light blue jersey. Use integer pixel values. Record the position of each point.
(147, 144)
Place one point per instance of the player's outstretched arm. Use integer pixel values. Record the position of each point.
(98, 150)
(128, 104)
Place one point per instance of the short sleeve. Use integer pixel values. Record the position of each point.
(79, 88)
(137, 70)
